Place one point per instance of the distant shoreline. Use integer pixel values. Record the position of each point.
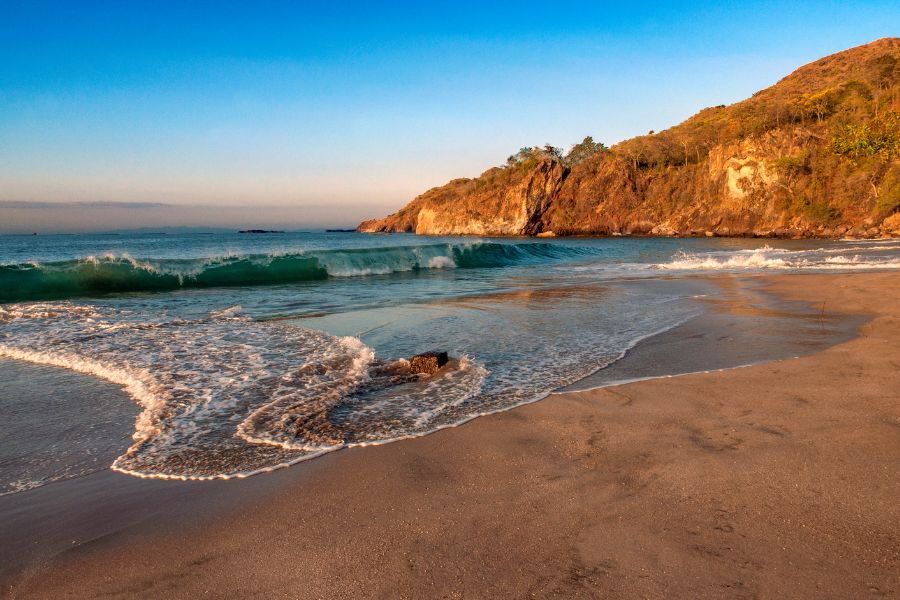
(792, 235)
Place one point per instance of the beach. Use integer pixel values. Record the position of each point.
(770, 481)
(540, 301)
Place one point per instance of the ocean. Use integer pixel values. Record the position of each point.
(233, 354)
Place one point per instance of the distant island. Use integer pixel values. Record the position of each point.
(260, 231)
(815, 155)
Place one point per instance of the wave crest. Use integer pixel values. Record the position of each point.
(115, 274)
(766, 258)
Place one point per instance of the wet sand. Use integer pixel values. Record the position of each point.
(771, 481)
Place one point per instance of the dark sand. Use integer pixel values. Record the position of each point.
(779, 480)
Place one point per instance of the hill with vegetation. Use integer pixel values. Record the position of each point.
(815, 155)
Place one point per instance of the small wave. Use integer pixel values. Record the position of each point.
(226, 396)
(758, 259)
(228, 311)
(122, 273)
(767, 258)
(136, 385)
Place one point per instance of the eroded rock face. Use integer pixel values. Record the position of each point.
(499, 202)
(891, 225)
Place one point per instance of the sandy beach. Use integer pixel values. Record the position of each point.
(778, 480)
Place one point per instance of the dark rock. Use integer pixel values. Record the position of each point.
(428, 362)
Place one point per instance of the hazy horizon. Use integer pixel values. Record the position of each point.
(295, 116)
(96, 217)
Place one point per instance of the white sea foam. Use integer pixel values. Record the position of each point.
(227, 396)
(229, 311)
(767, 258)
(758, 259)
(363, 272)
(137, 384)
(441, 262)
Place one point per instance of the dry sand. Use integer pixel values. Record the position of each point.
(780, 480)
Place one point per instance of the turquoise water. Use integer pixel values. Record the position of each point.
(247, 352)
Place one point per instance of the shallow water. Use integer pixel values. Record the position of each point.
(244, 353)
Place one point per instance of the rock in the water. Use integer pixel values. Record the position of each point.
(428, 362)
(891, 224)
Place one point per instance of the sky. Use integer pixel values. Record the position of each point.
(306, 114)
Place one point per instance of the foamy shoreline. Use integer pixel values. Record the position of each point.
(756, 466)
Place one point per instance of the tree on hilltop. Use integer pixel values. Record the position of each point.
(586, 149)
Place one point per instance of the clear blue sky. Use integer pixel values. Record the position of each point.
(359, 105)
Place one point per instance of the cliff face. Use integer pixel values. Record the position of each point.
(817, 154)
(499, 202)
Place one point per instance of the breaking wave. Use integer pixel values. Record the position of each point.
(122, 273)
(872, 257)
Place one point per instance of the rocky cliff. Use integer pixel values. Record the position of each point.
(815, 155)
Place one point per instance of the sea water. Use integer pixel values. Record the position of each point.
(242, 353)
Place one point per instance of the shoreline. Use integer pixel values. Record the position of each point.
(521, 476)
(684, 236)
(745, 309)
(713, 294)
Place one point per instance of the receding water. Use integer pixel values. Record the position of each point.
(243, 352)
